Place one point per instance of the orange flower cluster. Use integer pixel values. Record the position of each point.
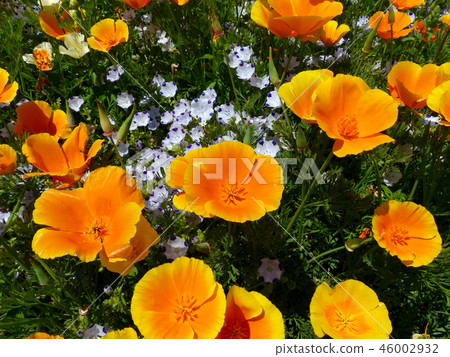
(407, 230)
(227, 180)
(65, 164)
(182, 300)
(351, 310)
(103, 216)
(302, 18)
(410, 84)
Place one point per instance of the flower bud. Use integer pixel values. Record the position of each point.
(352, 244)
(368, 44)
(391, 15)
(70, 119)
(248, 138)
(216, 29)
(107, 128)
(125, 127)
(203, 247)
(273, 74)
(301, 138)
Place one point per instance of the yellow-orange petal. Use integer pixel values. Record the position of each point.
(126, 333)
(136, 4)
(331, 33)
(176, 169)
(49, 24)
(42, 336)
(75, 146)
(107, 33)
(407, 230)
(271, 325)
(260, 13)
(350, 310)
(44, 152)
(7, 92)
(407, 4)
(63, 210)
(8, 160)
(343, 148)
(439, 100)
(299, 93)
(50, 243)
(110, 187)
(179, 300)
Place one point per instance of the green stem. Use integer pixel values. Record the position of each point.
(444, 40)
(291, 52)
(378, 176)
(117, 152)
(308, 193)
(325, 253)
(47, 268)
(392, 47)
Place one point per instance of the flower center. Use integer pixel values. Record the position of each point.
(42, 58)
(344, 322)
(235, 330)
(184, 309)
(348, 127)
(232, 194)
(399, 234)
(98, 230)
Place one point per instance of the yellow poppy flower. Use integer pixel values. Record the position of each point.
(107, 33)
(7, 92)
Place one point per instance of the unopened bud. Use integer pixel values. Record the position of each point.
(248, 138)
(215, 25)
(352, 244)
(70, 119)
(368, 44)
(391, 15)
(301, 138)
(203, 247)
(107, 128)
(273, 73)
(125, 127)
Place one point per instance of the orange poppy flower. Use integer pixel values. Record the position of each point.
(107, 33)
(331, 33)
(67, 163)
(8, 160)
(126, 333)
(410, 84)
(439, 101)
(351, 310)
(227, 180)
(179, 300)
(136, 4)
(104, 214)
(407, 230)
(420, 28)
(407, 4)
(145, 238)
(302, 18)
(250, 315)
(353, 114)
(7, 92)
(43, 336)
(299, 94)
(37, 117)
(181, 2)
(398, 28)
(53, 27)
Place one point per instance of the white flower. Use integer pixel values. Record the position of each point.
(175, 247)
(432, 120)
(293, 63)
(42, 56)
(77, 47)
(167, 117)
(193, 146)
(273, 100)
(124, 100)
(95, 332)
(123, 148)
(259, 82)
(269, 148)
(243, 53)
(75, 103)
(128, 15)
(153, 124)
(210, 94)
(158, 80)
(197, 133)
(202, 109)
(391, 177)
(271, 118)
(114, 73)
(245, 70)
(141, 118)
(147, 17)
(269, 270)
(176, 135)
(4, 217)
(168, 89)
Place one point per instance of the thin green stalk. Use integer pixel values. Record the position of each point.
(411, 194)
(378, 176)
(308, 193)
(325, 253)
(117, 152)
(444, 40)
(291, 52)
